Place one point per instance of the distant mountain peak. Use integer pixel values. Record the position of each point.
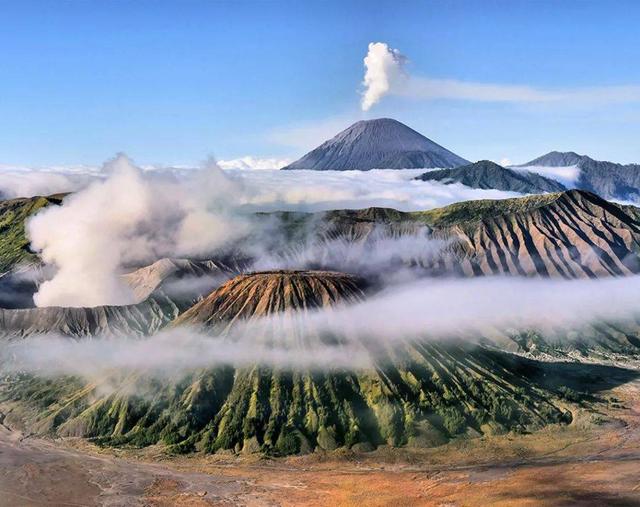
(382, 143)
(607, 179)
(486, 174)
(558, 159)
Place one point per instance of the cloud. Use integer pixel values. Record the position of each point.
(306, 190)
(568, 175)
(385, 75)
(430, 309)
(384, 71)
(27, 182)
(254, 163)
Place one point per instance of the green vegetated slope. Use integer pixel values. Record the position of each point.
(416, 393)
(14, 245)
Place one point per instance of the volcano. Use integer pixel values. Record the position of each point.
(264, 293)
(383, 143)
(417, 393)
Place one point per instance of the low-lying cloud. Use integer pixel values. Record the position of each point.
(254, 163)
(347, 336)
(306, 190)
(27, 182)
(567, 175)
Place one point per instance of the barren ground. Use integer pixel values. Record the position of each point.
(582, 464)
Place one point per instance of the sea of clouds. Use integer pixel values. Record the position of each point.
(123, 215)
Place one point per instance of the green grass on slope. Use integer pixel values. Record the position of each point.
(424, 396)
(460, 213)
(14, 245)
(476, 211)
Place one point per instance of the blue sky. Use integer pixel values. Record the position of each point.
(173, 82)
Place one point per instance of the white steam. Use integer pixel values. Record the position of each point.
(131, 217)
(385, 75)
(382, 257)
(384, 70)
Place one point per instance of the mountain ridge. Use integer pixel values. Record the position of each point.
(610, 180)
(416, 393)
(486, 174)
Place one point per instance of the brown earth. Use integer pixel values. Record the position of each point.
(595, 461)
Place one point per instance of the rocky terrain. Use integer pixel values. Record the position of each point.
(569, 234)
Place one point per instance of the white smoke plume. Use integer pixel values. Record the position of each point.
(131, 217)
(384, 70)
(385, 75)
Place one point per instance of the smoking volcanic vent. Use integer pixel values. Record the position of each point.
(264, 293)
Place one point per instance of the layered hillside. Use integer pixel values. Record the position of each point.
(377, 144)
(570, 234)
(140, 319)
(416, 393)
(489, 175)
(255, 295)
(607, 179)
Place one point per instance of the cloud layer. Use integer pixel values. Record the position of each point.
(254, 163)
(429, 309)
(129, 216)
